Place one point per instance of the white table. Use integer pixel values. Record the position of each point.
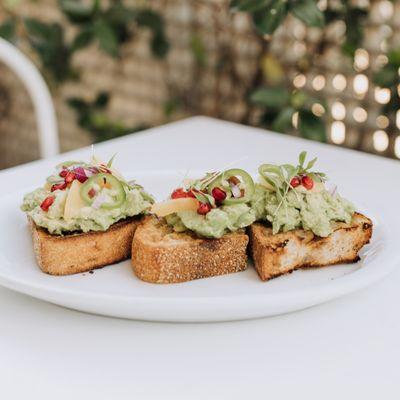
(345, 349)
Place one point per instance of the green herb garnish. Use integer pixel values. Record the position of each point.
(280, 177)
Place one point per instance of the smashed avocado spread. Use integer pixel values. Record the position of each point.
(291, 197)
(309, 211)
(211, 206)
(215, 223)
(82, 197)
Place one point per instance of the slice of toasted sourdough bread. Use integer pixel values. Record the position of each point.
(160, 255)
(81, 252)
(278, 254)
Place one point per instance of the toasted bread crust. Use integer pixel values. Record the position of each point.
(160, 255)
(81, 252)
(282, 253)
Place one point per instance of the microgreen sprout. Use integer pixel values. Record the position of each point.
(279, 177)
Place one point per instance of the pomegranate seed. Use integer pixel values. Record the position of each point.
(295, 182)
(92, 193)
(307, 182)
(59, 186)
(233, 180)
(178, 194)
(63, 173)
(203, 209)
(80, 174)
(70, 177)
(47, 202)
(218, 194)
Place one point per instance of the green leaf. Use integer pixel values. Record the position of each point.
(101, 100)
(311, 126)
(111, 160)
(82, 39)
(37, 31)
(308, 12)
(311, 163)
(118, 14)
(299, 99)
(159, 45)
(277, 97)
(150, 19)
(76, 103)
(201, 197)
(248, 5)
(394, 57)
(106, 37)
(198, 50)
(354, 19)
(283, 121)
(8, 30)
(302, 158)
(48, 41)
(119, 17)
(349, 48)
(78, 11)
(268, 19)
(291, 171)
(171, 105)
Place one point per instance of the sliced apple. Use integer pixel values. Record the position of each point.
(176, 205)
(74, 201)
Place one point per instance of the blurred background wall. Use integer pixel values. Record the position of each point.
(326, 70)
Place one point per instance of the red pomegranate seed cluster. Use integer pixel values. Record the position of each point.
(70, 175)
(304, 180)
(204, 208)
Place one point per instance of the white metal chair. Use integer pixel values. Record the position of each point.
(40, 95)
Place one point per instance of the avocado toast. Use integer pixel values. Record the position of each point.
(199, 232)
(301, 222)
(84, 217)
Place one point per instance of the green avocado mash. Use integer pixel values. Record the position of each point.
(307, 210)
(88, 219)
(214, 224)
(83, 197)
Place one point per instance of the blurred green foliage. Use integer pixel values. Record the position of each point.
(91, 117)
(280, 106)
(49, 43)
(354, 18)
(388, 77)
(271, 91)
(110, 25)
(268, 15)
(7, 30)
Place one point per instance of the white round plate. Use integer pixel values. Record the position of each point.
(115, 290)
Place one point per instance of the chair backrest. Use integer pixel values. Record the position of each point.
(40, 95)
